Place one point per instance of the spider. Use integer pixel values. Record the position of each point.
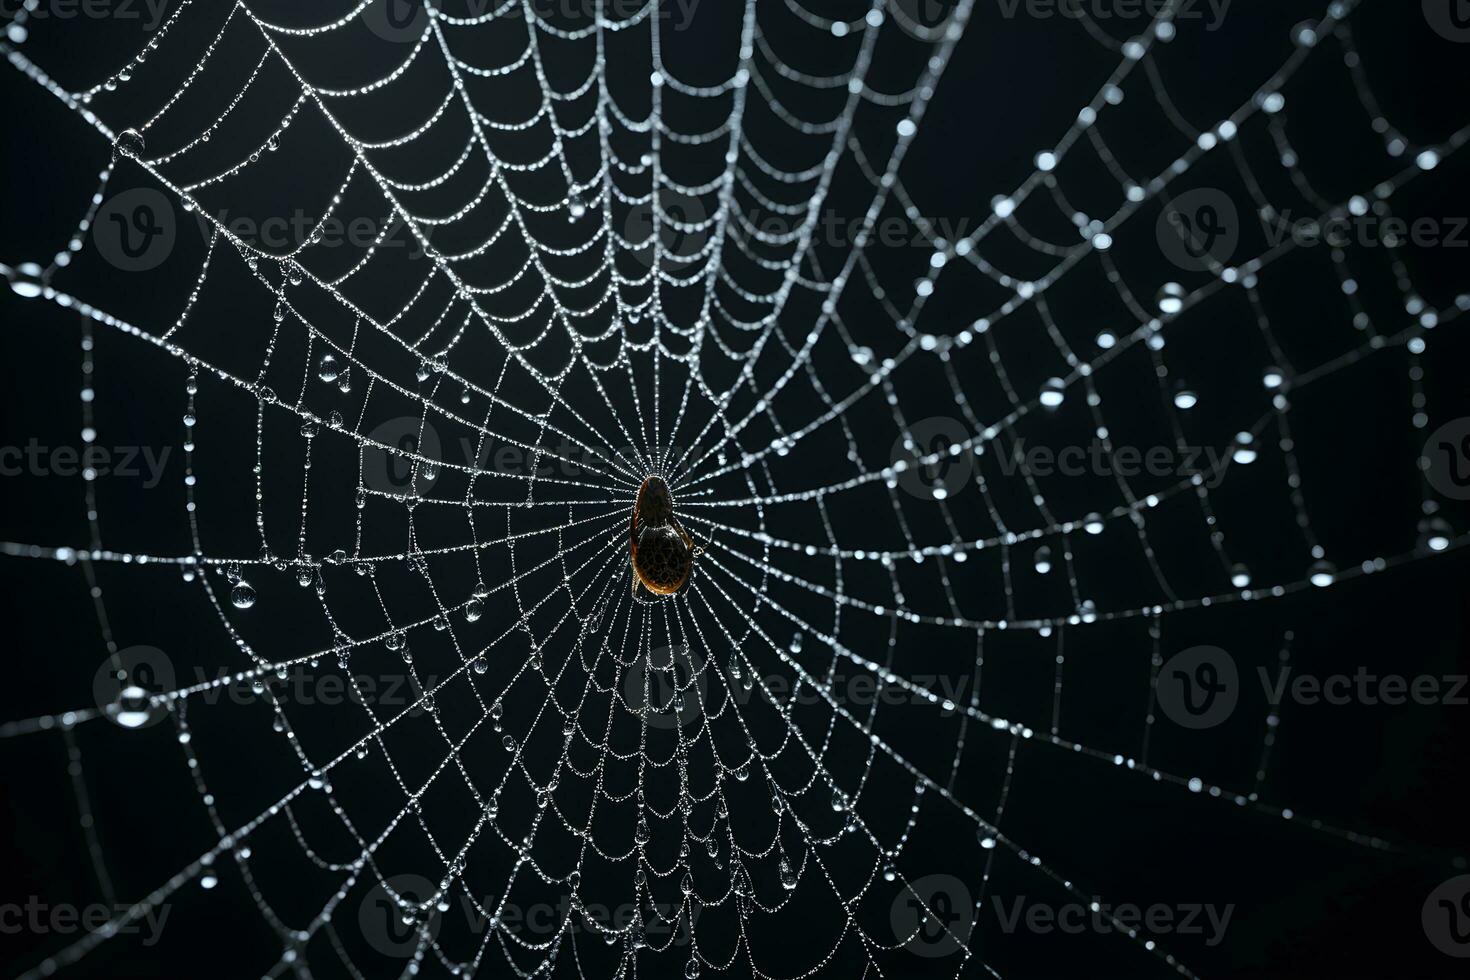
(660, 552)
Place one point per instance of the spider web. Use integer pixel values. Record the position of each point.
(414, 452)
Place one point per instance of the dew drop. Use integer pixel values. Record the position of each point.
(129, 144)
(26, 280)
(1042, 560)
(1322, 573)
(1170, 298)
(242, 596)
(133, 708)
(1245, 452)
(1435, 534)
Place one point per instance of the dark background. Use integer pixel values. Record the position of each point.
(1308, 901)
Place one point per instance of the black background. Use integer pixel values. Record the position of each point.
(1307, 902)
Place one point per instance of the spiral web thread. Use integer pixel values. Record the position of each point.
(538, 602)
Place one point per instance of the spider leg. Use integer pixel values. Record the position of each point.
(639, 591)
(694, 548)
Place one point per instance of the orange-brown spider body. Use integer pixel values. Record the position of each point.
(660, 552)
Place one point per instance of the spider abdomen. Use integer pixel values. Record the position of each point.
(662, 560)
